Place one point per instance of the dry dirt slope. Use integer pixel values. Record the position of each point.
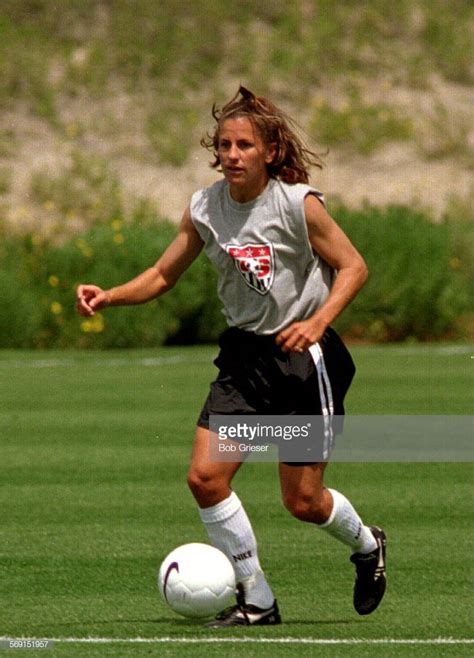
(434, 169)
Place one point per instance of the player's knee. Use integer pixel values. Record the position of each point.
(204, 487)
(306, 508)
(198, 482)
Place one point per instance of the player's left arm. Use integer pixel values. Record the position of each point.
(331, 243)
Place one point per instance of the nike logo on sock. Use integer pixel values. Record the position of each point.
(242, 556)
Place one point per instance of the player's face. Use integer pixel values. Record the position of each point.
(244, 158)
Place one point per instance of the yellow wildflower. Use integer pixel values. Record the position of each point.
(95, 325)
(72, 130)
(455, 263)
(85, 249)
(98, 324)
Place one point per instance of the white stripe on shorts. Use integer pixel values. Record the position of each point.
(325, 395)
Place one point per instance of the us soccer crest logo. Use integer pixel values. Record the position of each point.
(256, 264)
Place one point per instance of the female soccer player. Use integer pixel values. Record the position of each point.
(285, 272)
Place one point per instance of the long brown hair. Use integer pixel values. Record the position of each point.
(293, 158)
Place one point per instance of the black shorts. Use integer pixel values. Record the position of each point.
(257, 377)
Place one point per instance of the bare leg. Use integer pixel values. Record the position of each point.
(303, 492)
(209, 481)
(306, 497)
(226, 521)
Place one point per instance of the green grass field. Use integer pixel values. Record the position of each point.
(94, 451)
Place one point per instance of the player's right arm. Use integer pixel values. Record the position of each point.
(151, 283)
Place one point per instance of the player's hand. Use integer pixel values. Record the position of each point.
(299, 336)
(90, 299)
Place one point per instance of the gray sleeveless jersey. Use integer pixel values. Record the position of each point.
(269, 275)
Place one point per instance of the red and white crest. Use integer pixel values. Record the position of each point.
(256, 264)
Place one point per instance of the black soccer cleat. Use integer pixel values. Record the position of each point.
(370, 581)
(244, 614)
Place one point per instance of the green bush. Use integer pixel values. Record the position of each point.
(109, 254)
(420, 284)
(20, 319)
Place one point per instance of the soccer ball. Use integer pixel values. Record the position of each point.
(196, 580)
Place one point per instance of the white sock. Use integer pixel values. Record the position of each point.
(346, 525)
(229, 530)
